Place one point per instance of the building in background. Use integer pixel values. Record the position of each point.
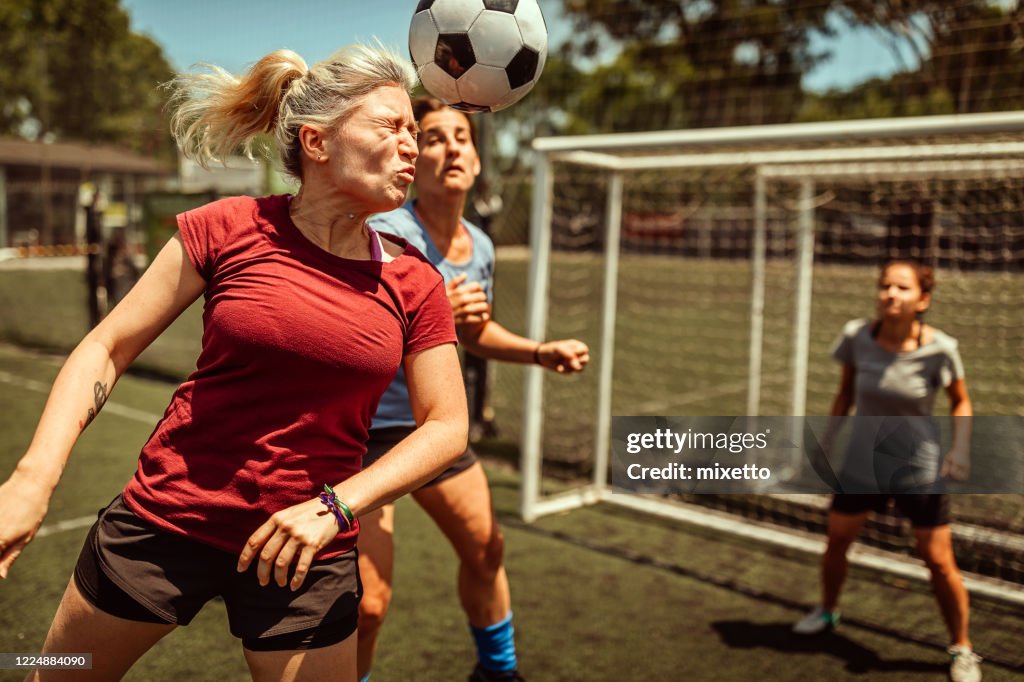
(43, 187)
(238, 175)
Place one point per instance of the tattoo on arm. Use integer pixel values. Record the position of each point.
(99, 396)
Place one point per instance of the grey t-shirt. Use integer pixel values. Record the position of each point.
(899, 447)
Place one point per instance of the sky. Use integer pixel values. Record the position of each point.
(234, 34)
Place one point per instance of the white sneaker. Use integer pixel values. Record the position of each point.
(966, 666)
(816, 622)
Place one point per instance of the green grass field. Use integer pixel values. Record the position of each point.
(682, 333)
(599, 594)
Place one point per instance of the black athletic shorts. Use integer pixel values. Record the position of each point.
(382, 440)
(132, 570)
(923, 511)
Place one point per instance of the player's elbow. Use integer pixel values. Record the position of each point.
(959, 400)
(458, 438)
(451, 431)
(962, 407)
(469, 334)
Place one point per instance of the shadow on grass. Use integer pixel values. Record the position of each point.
(741, 634)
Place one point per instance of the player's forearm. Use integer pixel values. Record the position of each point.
(78, 394)
(493, 342)
(416, 460)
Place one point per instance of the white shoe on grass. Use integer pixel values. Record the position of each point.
(816, 622)
(966, 666)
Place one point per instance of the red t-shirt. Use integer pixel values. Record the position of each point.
(298, 346)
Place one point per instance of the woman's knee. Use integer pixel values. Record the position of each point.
(838, 545)
(488, 556)
(373, 608)
(936, 550)
(940, 564)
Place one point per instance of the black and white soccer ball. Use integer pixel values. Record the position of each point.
(478, 55)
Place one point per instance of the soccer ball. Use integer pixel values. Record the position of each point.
(478, 55)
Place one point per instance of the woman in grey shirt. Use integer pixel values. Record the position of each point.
(893, 367)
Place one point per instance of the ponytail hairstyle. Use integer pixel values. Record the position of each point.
(217, 113)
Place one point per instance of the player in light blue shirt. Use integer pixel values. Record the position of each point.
(458, 500)
(394, 408)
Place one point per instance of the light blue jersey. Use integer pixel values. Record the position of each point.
(394, 408)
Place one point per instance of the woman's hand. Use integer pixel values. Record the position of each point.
(565, 356)
(23, 505)
(956, 466)
(301, 530)
(468, 301)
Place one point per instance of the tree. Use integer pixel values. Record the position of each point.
(708, 62)
(974, 54)
(74, 70)
(633, 65)
(969, 53)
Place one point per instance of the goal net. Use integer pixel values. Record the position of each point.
(710, 272)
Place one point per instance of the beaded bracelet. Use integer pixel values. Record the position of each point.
(344, 515)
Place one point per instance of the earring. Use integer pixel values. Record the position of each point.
(351, 216)
(319, 157)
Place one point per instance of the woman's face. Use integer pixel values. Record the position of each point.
(372, 155)
(899, 293)
(448, 161)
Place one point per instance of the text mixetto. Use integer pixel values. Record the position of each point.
(683, 472)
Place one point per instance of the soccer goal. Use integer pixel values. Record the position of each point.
(710, 271)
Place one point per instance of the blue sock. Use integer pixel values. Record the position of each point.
(496, 646)
(366, 678)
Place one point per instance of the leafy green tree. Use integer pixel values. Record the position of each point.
(970, 54)
(16, 78)
(699, 63)
(73, 69)
(632, 65)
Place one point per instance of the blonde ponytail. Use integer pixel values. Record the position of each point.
(216, 113)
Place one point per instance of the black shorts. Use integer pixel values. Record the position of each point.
(382, 440)
(132, 570)
(923, 511)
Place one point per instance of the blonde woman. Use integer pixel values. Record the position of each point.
(308, 315)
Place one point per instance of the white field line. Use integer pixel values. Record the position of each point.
(62, 526)
(880, 560)
(112, 408)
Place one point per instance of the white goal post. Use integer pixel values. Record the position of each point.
(803, 157)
